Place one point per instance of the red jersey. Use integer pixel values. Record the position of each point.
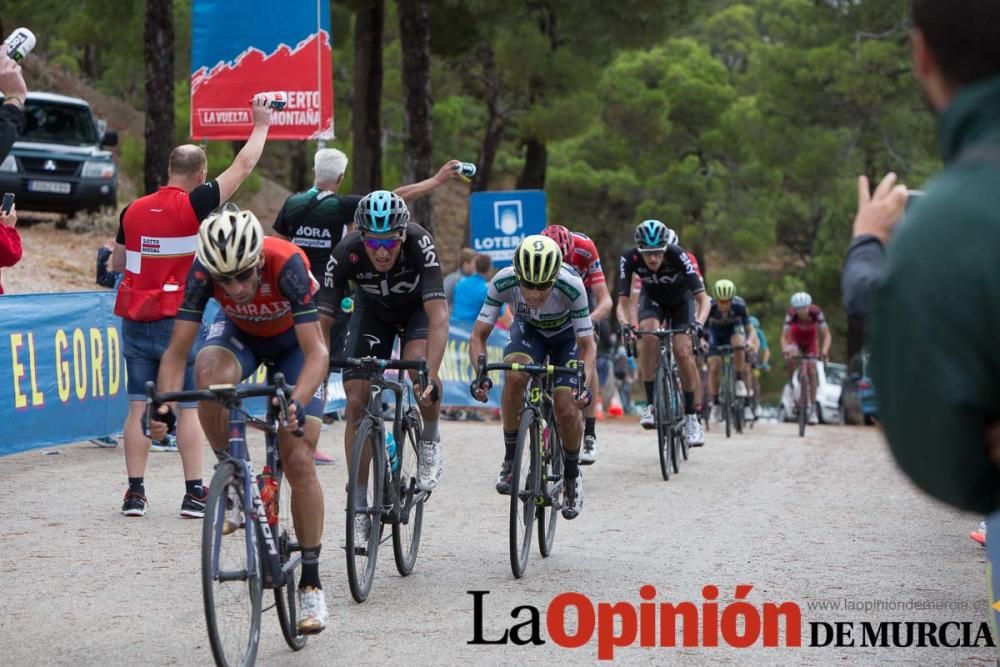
(586, 260)
(805, 333)
(284, 297)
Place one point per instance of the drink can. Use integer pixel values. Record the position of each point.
(276, 99)
(19, 44)
(466, 169)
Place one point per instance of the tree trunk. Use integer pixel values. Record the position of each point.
(415, 39)
(366, 112)
(495, 121)
(158, 53)
(536, 158)
(299, 166)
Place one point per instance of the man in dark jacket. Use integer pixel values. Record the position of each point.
(14, 92)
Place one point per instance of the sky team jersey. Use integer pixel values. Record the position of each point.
(637, 281)
(414, 278)
(284, 297)
(566, 306)
(738, 314)
(675, 275)
(586, 260)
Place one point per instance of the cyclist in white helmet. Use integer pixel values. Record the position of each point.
(805, 332)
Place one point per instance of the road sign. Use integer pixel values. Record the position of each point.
(499, 220)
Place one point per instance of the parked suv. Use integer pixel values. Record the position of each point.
(58, 164)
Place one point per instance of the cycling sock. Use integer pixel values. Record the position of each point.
(510, 444)
(135, 484)
(689, 402)
(194, 487)
(430, 431)
(588, 426)
(361, 496)
(649, 390)
(572, 463)
(310, 567)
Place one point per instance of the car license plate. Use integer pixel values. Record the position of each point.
(57, 187)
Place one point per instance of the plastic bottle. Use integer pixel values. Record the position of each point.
(466, 170)
(269, 494)
(390, 442)
(276, 99)
(19, 44)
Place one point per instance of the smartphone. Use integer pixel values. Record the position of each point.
(8, 202)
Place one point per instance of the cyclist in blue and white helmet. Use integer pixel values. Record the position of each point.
(652, 236)
(381, 212)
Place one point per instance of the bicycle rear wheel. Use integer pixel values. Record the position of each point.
(525, 486)
(684, 446)
(231, 578)
(367, 459)
(406, 530)
(551, 477)
(664, 422)
(727, 396)
(803, 402)
(285, 601)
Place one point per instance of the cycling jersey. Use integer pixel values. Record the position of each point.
(804, 334)
(414, 278)
(738, 314)
(284, 297)
(674, 277)
(565, 308)
(586, 260)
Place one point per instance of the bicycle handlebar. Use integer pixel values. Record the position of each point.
(629, 336)
(228, 395)
(483, 368)
(376, 365)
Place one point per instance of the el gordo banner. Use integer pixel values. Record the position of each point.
(243, 47)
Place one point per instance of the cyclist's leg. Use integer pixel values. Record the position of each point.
(681, 314)
(650, 316)
(367, 336)
(714, 364)
(225, 358)
(524, 346)
(562, 350)
(740, 358)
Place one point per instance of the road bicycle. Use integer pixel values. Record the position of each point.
(732, 405)
(802, 400)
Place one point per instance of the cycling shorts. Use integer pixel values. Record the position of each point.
(373, 331)
(675, 313)
(560, 349)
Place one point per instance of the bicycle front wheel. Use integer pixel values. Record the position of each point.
(525, 486)
(285, 602)
(364, 517)
(803, 402)
(553, 482)
(231, 578)
(406, 529)
(684, 446)
(727, 398)
(664, 422)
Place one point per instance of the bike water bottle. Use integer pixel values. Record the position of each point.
(19, 44)
(390, 442)
(269, 494)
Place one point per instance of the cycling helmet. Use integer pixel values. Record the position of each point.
(651, 235)
(801, 300)
(563, 238)
(672, 238)
(229, 241)
(754, 322)
(380, 212)
(537, 260)
(725, 290)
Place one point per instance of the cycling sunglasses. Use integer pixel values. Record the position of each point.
(388, 244)
(238, 278)
(536, 287)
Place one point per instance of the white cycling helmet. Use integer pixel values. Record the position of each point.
(229, 241)
(672, 238)
(801, 300)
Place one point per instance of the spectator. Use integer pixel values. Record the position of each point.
(155, 247)
(470, 293)
(14, 92)
(10, 240)
(951, 399)
(105, 276)
(465, 265)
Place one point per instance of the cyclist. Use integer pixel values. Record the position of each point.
(264, 290)
(400, 293)
(672, 239)
(551, 319)
(669, 286)
(760, 360)
(728, 324)
(580, 252)
(805, 332)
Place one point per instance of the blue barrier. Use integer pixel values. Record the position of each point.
(62, 373)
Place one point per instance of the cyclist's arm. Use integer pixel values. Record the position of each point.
(414, 191)
(437, 334)
(294, 283)
(825, 339)
(704, 305)
(331, 291)
(477, 340)
(766, 356)
(602, 297)
(750, 335)
(588, 354)
(624, 311)
(173, 363)
(245, 161)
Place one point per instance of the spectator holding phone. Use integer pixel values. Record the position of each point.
(10, 240)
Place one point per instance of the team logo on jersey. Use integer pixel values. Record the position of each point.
(426, 245)
(373, 340)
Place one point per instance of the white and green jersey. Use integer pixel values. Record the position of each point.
(566, 306)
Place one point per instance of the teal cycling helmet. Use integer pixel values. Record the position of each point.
(381, 212)
(651, 235)
(754, 322)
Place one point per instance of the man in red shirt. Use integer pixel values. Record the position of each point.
(580, 252)
(805, 332)
(265, 293)
(10, 240)
(155, 247)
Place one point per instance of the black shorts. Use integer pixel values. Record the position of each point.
(372, 332)
(676, 312)
(560, 348)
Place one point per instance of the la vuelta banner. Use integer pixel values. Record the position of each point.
(243, 47)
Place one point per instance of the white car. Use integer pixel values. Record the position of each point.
(827, 394)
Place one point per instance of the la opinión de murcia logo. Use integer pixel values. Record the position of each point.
(572, 620)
